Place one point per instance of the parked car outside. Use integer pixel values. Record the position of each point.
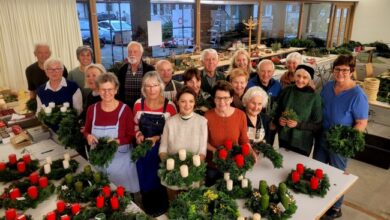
(86, 33)
(116, 30)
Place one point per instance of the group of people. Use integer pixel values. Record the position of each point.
(199, 114)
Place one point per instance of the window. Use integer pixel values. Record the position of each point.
(315, 22)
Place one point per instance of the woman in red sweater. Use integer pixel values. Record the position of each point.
(112, 118)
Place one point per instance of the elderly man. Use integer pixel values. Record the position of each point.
(35, 73)
(165, 70)
(130, 75)
(84, 56)
(57, 89)
(210, 75)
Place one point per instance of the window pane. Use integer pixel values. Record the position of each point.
(316, 22)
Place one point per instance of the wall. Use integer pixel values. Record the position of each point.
(371, 21)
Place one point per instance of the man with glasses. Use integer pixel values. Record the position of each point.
(35, 73)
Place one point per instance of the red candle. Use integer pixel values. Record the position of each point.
(10, 214)
(319, 174)
(65, 217)
(314, 183)
(75, 208)
(34, 178)
(295, 176)
(222, 154)
(114, 203)
(51, 216)
(27, 158)
(239, 160)
(106, 191)
(120, 191)
(99, 202)
(32, 192)
(43, 182)
(12, 158)
(300, 168)
(3, 166)
(14, 193)
(60, 206)
(228, 145)
(245, 149)
(21, 217)
(21, 167)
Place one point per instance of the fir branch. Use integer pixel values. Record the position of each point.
(345, 140)
(269, 152)
(11, 172)
(103, 153)
(141, 150)
(303, 186)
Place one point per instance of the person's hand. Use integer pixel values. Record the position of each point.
(154, 139)
(92, 141)
(292, 123)
(255, 155)
(282, 121)
(140, 137)
(163, 156)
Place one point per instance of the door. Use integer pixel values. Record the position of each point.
(341, 21)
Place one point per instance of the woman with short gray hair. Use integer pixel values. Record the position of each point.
(84, 56)
(292, 61)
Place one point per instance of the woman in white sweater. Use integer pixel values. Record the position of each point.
(186, 130)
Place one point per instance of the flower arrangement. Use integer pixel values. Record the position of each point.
(345, 140)
(104, 152)
(141, 150)
(82, 187)
(238, 189)
(15, 169)
(272, 202)
(26, 194)
(59, 168)
(308, 181)
(270, 153)
(234, 159)
(182, 170)
(12, 214)
(203, 203)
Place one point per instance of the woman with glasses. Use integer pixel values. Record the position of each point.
(298, 134)
(150, 114)
(344, 103)
(224, 123)
(114, 119)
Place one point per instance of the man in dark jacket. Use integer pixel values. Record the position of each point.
(210, 74)
(130, 75)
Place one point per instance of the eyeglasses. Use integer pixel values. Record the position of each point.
(106, 90)
(55, 70)
(337, 70)
(151, 86)
(225, 99)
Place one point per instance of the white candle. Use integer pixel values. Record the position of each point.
(229, 185)
(65, 164)
(67, 156)
(48, 110)
(66, 104)
(240, 177)
(241, 218)
(256, 216)
(226, 176)
(170, 164)
(47, 168)
(196, 160)
(52, 104)
(244, 183)
(48, 160)
(182, 154)
(63, 109)
(184, 171)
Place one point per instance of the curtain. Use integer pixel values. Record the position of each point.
(26, 22)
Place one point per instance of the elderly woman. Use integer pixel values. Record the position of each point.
(112, 118)
(292, 61)
(344, 103)
(92, 71)
(239, 79)
(58, 89)
(193, 79)
(224, 123)
(150, 114)
(210, 74)
(254, 100)
(241, 59)
(298, 134)
(84, 56)
(165, 70)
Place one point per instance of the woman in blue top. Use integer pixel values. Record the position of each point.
(344, 103)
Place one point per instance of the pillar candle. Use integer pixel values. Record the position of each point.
(97, 177)
(314, 183)
(319, 173)
(10, 214)
(88, 169)
(63, 109)
(226, 176)
(47, 168)
(196, 160)
(114, 203)
(300, 168)
(65, 164)
(12, 159)
(66, 104)
(32, 192)
(60, 206)
(120, 191)
(43, 182)
(170, 164)
(48, 110)
(75, 208)
(229, 185)
(256, 216)
(3, 166)
(14, 193)
(295, 176)
(68, 178)
(52, 104)
(240, 177)
(49, 160)
(184, 171)
(51, 216)
(27, 158)
(34, 177)
(244, 183)
(66, 156)
(99, 202)
(241, 218)
(106, 191)
(21, 167)
(182, 154)
(78, 186)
